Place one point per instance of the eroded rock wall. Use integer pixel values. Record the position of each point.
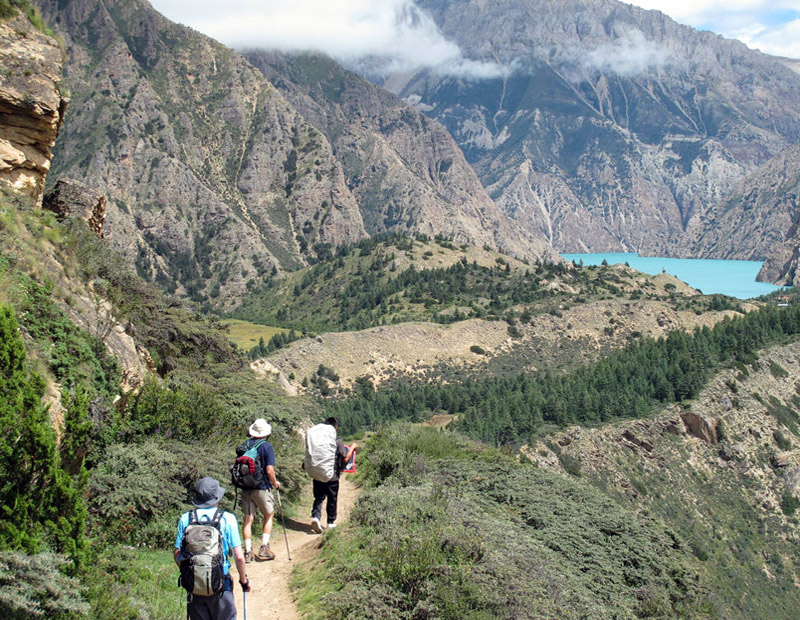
(31, 104)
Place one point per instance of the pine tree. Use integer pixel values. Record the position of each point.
(40, 503)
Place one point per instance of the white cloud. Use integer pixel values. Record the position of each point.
(782, 40)
(393, 34)
(768, 25)
(631, 54)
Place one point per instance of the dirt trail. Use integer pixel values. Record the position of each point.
(270, 597)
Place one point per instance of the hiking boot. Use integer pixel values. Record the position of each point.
(316, 526)
(248, 557)
(331, 526)
(265, 553)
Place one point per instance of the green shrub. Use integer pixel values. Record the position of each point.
(34, 586)
(452, 531)
(778, 371)
(138, 491)
(41, 505)
(781, 440)
(789, 504)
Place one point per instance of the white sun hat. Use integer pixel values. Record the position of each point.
(260, 428)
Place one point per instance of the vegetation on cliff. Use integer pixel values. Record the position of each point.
(106, 471)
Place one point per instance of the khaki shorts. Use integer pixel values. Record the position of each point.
(258, 500)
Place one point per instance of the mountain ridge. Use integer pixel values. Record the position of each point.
(613, 128)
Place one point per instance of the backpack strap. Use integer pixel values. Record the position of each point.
(193, 520)
(217, 518)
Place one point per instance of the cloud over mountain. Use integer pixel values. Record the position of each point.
(392, 35)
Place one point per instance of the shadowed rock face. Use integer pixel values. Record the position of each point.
(758, 221)
(405, 170)
(31, 105)
(70, 198)
(606, 127)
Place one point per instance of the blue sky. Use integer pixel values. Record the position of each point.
(772, 26)
(352, 28)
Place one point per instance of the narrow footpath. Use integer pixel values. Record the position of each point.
(270, 597)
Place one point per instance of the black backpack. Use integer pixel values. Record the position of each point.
(247, 471)
(202, 558)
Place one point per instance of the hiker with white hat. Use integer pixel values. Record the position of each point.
(205, 538)
(259, 498)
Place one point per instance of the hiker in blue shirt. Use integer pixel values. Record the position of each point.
(207, 494)
(260, 499)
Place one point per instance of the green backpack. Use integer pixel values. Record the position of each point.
(201, 549)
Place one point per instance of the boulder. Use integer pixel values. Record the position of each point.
(779, 460)
(702, 427)
(70, 198)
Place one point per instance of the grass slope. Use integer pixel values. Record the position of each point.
(450, 530)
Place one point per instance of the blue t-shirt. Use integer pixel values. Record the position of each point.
(227, 525)
(266, 454)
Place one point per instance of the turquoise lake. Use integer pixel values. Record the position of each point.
(736, 278)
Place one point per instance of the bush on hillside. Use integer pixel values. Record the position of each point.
(34, 586)
(138, 491)
(41, 505)
(452, 531)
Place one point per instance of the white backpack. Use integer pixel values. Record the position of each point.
(320, 461)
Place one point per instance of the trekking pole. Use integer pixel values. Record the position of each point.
(244, 598)
(283, 521)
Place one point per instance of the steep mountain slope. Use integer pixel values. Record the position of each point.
(405, 170)
(759, 221)
(213, 178)
(722, 471)
(608, 126)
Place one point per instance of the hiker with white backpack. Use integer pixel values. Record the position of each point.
(254, 473)
(206, 536)
(325, 457)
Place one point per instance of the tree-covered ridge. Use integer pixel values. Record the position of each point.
(396, 279)
(448, 530)
(629, 383)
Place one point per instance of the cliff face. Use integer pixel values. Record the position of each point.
(31, 104)
(212, 178)
(758, 221)
(405, 170)
(606, 127)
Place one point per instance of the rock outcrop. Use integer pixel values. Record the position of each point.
(70, 198)
(701, 426)
(31, 104)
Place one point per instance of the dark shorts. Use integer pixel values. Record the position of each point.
(213, 607)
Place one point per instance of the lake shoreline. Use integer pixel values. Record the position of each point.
(734, 278)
